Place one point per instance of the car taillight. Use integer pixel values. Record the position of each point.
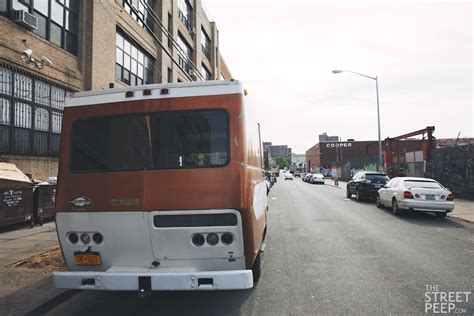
(407, 195)
(450, 197)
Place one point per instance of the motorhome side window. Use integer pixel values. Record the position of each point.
(162, 140)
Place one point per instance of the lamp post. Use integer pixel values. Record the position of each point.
(378, 108)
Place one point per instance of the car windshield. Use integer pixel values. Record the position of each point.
(162, 140)
(422, 184)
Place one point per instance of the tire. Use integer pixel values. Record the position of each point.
(358, 195)
(348, 193)
(395, 209)
(441, 214)
(378, 202)
(257, 268)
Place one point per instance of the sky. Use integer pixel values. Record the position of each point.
(284, 53)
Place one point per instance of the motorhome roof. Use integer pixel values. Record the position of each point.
(175, 90)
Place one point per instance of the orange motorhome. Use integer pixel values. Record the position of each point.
(161, 187)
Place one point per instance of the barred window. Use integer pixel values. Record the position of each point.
(5, 81)
(22, 115)
(42, 93)
(41, 119)
(30, 114)
(4, 111)
(58, 97)
(23, 87)
(57, 120)
(185, 55)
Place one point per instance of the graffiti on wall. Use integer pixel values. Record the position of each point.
(454, 168)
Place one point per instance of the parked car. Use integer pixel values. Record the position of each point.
(317, 179)
(416, 194)
(365, 184)
(297, 174)
(307, 177)
(288, 176)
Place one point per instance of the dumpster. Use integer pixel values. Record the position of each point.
(16, 196)
(44, 199)
(16, 206)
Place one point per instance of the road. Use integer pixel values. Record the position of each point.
(325, 254)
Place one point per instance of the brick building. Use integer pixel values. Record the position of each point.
(51, 47)
(357, 155)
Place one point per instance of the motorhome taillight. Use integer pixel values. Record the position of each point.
(407, 195)
(450, 197)
(417, 196)
(85, 238)
(212, 239)
(73, 238)
(98, 238)
(198, 240)
(227, 238)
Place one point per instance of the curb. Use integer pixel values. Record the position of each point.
(460, 218)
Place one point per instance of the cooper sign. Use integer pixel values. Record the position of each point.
(335, 145)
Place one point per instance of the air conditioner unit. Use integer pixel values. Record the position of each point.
(25, 19)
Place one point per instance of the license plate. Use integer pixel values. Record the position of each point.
(430, 197)
(87, 259)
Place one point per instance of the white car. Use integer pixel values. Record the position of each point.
(288, 176)
(415, 194)
(317, 179)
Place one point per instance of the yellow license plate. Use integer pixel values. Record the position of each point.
(87, 259)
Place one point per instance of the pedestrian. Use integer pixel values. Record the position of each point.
(401, 173)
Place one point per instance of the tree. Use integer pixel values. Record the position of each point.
(283, 162)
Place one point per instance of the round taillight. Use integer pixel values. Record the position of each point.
(98, 238)
(227, 238)
(85, 238)
(198, 240)
(73, 238)
(417, 196)
(212, 239)
(443, 197)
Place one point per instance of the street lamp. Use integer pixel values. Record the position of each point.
(378, 110)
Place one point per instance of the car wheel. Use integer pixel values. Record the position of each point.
(257, 268)
(378, 202)
(358, 195)
(348, 193)
(395, 209)
(441, 214)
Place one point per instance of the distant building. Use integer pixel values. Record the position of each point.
(325, 138)
(299, 160)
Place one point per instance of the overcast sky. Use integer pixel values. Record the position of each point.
(284, 52)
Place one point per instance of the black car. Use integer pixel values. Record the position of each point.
(365, 184)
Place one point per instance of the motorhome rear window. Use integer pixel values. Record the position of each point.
(161, 140)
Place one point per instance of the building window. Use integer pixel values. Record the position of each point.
(206, 73)
(170, 75)
(141, 11)
(205, 44)
(57, 20)
(133, 66)
(28, 106)
(186, 14)
(185, 55)
(170, 31)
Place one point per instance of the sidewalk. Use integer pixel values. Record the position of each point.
(463, 209)
(22, 243)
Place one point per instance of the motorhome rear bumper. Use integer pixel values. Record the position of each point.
(154, 281)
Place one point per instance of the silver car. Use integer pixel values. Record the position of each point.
(415, 194)
(317, 179)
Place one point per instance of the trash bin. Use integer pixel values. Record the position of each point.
(16, 206)
(44, 200)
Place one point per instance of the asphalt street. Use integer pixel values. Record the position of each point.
(324, 254)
